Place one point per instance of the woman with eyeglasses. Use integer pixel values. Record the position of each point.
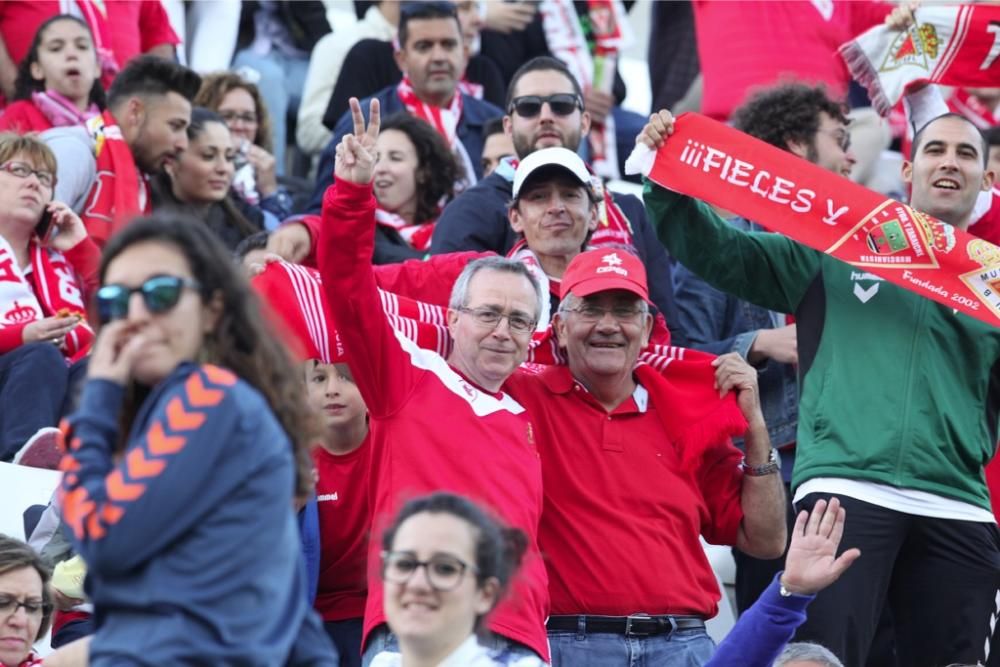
(25, 605)
(190, 444)
(446, 563)
(199, 181)
(415, 174)
(239, 102)
(59, 82)
(47, 266)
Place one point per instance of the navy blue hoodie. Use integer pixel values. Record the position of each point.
(190, 539)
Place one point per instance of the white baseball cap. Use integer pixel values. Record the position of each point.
(552, 157)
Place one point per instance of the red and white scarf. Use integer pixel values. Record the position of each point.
(52, 288)
(957, 45)
(417, 235)
(965, 103)
(120, 191)
(443, 119)
(709, 161)
(60, 111)
(593, 66)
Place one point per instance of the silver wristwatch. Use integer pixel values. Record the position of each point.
(772, 466)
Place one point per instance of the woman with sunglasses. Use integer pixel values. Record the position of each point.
(183, 461)
(199, 181)
(239, 102)
(47, 265)
(446, 563)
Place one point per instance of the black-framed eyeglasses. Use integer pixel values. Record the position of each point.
(489, 318)
(593, 313)
(840, 135)
(529, 106)
(10, 604)
(23, 170)
(443, 572)
(230, 117)
(159, 293)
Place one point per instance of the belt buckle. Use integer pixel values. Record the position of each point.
(629, 632)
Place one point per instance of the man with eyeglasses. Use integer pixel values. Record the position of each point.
(432, 59)
(438, 423)
(626, 498)
(544, 109)
(897, 415)
(805, 121)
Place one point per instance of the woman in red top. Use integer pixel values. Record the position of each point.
(58, 82)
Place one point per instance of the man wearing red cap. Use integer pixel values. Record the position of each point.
(634, 472)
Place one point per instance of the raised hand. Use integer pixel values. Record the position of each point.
(656, 131)
(67, 228)
(812, 563)
(355, 158)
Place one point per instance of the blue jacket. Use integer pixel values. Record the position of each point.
(762, 632)
(475, 114)
(717, 322)
(477, 220)
(190, 539)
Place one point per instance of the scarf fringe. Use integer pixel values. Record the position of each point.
(864, 73)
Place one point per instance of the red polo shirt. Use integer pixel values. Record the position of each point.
(342, 496)
(621, 521)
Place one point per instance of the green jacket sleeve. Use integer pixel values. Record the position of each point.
(769, 270)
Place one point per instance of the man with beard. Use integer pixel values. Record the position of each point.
(103, 167)
(432, 59)
(897, 410)
(544, 109)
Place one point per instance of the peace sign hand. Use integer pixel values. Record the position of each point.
(356, 155)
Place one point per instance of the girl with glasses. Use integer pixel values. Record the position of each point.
(446, 563)
(199, 181)
(190, 445)
(47, 267)
(58, 83)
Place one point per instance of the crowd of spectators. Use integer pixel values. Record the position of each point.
(352, 347)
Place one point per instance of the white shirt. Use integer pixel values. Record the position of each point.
(469, 654)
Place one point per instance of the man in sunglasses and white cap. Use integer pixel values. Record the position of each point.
(544, 109)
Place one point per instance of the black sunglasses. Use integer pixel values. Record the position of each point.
(159, 293)
(529, 106)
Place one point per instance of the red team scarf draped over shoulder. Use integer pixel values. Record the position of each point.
(119, 192)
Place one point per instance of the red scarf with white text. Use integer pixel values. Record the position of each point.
(52, 288)
(119, 192)
(709, 161)
(956, 45)
(417, 235)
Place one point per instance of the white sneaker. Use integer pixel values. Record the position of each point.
(41, 451)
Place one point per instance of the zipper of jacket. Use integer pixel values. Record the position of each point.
(904, 431)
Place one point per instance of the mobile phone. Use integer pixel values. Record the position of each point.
(42, 228)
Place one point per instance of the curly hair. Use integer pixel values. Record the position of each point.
(214, 88)
(15, 555)
(787, 112)
(242, 341)
(25, 84)
(437, 168)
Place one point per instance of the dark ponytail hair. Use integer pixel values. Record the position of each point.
(499, 548)
(25, 84)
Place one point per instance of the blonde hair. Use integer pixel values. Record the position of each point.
(29, 145)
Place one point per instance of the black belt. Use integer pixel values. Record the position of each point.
(636, 625)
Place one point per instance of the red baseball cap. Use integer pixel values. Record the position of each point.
(605, 269)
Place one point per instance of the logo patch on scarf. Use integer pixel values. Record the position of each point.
(916, 46)
(900, 236)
